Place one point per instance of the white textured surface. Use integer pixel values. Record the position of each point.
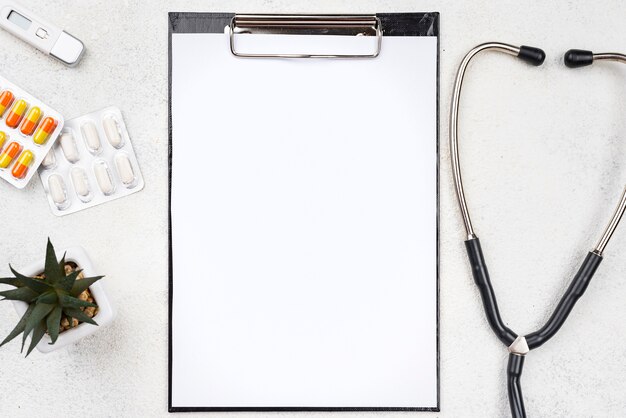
(545, 158)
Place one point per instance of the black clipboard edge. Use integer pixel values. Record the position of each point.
(394, 24)
(300, 409)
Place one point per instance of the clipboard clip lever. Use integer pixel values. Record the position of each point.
(356, 25)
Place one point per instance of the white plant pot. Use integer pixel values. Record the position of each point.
(105, 314)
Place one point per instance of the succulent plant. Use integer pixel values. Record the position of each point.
(50, 298)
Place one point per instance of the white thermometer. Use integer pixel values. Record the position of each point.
(43, 35)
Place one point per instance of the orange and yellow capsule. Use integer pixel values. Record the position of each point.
(21, 166)
(3, 138)
(9, 154)
(30, 121)
(6, 98)
(15, 115)
(48, 125)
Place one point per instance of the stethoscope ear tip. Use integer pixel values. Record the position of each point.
(576, 58)
(532, 55)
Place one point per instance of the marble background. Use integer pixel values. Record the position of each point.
(544, 154)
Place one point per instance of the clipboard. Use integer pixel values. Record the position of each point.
(303, 212)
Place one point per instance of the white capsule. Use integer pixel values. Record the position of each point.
(112, 130)
(103, 176)
(92, 139)
(49, 160)
(79, 180)
(56, 185)
(68, 145)
(124, 169)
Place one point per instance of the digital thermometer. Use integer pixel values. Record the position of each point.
(41, 34)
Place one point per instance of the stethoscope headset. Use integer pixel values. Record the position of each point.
(520, 345)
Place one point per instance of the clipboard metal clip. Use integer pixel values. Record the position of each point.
(356, 25)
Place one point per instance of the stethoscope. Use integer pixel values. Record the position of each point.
(520, 345)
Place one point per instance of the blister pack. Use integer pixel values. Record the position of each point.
(28, 129)
(93, 162)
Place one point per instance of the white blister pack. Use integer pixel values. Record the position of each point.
(28, 129)
(93, 162)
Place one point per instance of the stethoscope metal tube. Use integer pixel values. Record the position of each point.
(519, 346)
(575, 58)
(610, 228)
(454, 126)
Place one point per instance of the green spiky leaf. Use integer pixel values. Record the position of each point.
(49, 297)
(53, 272)
(38, 314)
(19, 328)
(24, 294)
(78, 314)
(72, 302)
(62, 266)
(83, 284)
(69, 319)
(53, 323)
(12, 281)
(37, 285)
(38, 333)
(67, 282)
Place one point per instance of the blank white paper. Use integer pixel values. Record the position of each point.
(304, 228)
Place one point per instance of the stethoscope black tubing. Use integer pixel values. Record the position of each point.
(514, 387)
(481, 278)
(576, 289)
